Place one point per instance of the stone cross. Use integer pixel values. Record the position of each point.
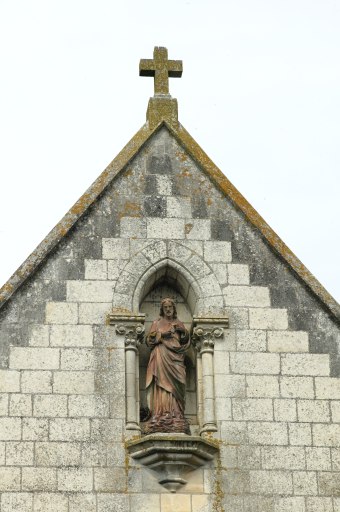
(161, 69)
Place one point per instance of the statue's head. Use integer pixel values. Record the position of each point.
(168, 301)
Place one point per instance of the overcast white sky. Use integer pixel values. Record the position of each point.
(260, 93)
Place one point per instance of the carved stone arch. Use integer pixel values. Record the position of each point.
(176, 275)
(181, 265)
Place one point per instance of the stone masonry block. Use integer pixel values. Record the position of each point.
(91, 405)
(132, 227)
(305, 364)
(327, 387)
(39, 479)
(300, 434)
(84, 502)
(10, 429)
(155, 251)
(179, 207)
(320, 504)
(316, 411)
(326, 435)
(287, 341)
(264, 386)
(114, 268)
(251, 341)
(145, 503)
(61, 313)
(71, 336)
(256, 363)
(178, 502)
(283, 457)
(165, 228)
(110, 479)
(58, 454)
(217, 252)
(220, 271)
(230, 385)
(305, 483)
(20, 405)
(75, 479)
(9, 479)
(50, 405)
(253, 409)
(39, 336)
(96, 269)
(34, 429)
(329, 484)
(290, 504)
(90, 291)
(31, 358)
(285, 410)
(18, 501)
(257, 296)
(19, 454)
(238, 274)
(51, 502)
(112, 502)
(106, 430)
(198, 229)
(260, 318)
(267, 433)
(2, 453)
(164, 185)
(271, 482)
(75, 382)
(35, 381)
(335, 410)
(210, 286)
(9, 381)
(140, 263)
(318, 459)
(3, 405)
(297, 387)
(116, 248)
(94, 313)
(69, 429)
(126, 284)
(77, 359)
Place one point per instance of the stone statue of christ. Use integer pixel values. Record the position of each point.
(165, 378)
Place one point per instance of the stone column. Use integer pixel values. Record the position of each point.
(132, 328)
(205, 332)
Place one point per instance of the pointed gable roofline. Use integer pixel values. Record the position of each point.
(199, 156)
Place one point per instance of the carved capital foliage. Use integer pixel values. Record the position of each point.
(133, 334)
(206, 331)
(131, 327)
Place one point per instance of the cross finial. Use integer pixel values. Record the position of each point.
(161, 69)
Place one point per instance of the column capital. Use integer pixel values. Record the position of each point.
(206, 330)
(131, 327)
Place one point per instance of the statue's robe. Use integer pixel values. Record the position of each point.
(165, 377)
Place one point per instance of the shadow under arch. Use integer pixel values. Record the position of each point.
(176, 276)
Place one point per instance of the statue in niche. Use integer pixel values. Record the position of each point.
(165, 378)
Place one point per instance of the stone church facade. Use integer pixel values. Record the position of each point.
(263, 373)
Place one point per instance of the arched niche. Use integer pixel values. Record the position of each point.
(167, 280)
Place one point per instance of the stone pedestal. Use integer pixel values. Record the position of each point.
(172, 456)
